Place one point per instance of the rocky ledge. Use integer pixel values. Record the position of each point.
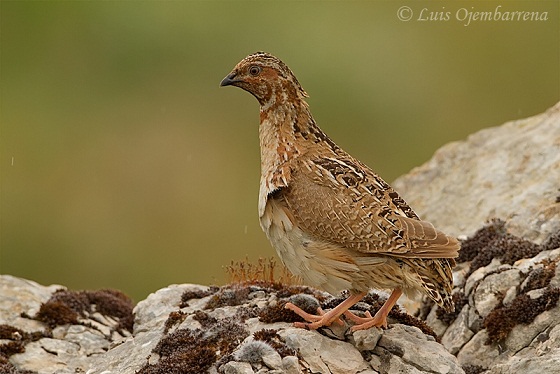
(500, 187)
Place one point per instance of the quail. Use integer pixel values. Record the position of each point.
(333, 221)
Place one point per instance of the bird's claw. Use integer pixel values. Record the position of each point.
(314, 321)
(363, 323)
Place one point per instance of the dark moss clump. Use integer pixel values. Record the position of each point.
(15, 336)
(11, 348)
(470, 248)
(13, 333)
(473, 369)
(271, 337)
(115, 304)
(515, 248)
(196, 361)
(278, 313)
(65, 307)
(493, 241)
(230, 295)
(7, 368)
(188, 351)
(238, 293)
(332, 302)
(17, 339)
(174, 319)
(407, 319)
(225, 335)
(552, 242)
(374, 299)
(204, 319)
(250, 311)
(196, 294)
(540, 277)
(305, 301)
(522, 310)
(182, 351)
(177, 340)
(508, 248)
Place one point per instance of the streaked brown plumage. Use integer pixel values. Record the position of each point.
(332, 220)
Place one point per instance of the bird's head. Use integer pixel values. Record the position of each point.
(267, 78)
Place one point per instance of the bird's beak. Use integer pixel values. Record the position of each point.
(229, 79)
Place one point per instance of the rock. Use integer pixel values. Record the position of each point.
(322, 354)
(391, 364)
(511, 315)
(488, 291)
(366, 340)
(59, 331)
(533, 365)
(458, 333)
(36, 358)
(22, 296)
(149, 325)
(272, 360)
(290, 365)
(475, 352)
(522, 336)
(202, 329)
(413, 349)
(509, 172)
(508, 319)
(477, 275)
(435, 323)
(234, 367)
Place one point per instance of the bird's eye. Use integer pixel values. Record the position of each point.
(254, 70)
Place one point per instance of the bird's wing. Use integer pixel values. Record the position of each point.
(340, 200)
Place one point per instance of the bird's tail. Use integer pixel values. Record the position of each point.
(437, 280)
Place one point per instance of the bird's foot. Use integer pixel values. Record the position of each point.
(379, 319)
(363, 323)
(314, 321)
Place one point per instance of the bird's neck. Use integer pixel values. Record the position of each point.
(287, 131)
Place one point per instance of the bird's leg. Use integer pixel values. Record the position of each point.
(322, 318)
(380, 318)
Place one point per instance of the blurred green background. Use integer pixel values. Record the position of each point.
(124, 165)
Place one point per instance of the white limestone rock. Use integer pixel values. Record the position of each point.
(509, 172)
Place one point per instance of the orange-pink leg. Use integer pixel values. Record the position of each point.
(322, 318)
(380, 318)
